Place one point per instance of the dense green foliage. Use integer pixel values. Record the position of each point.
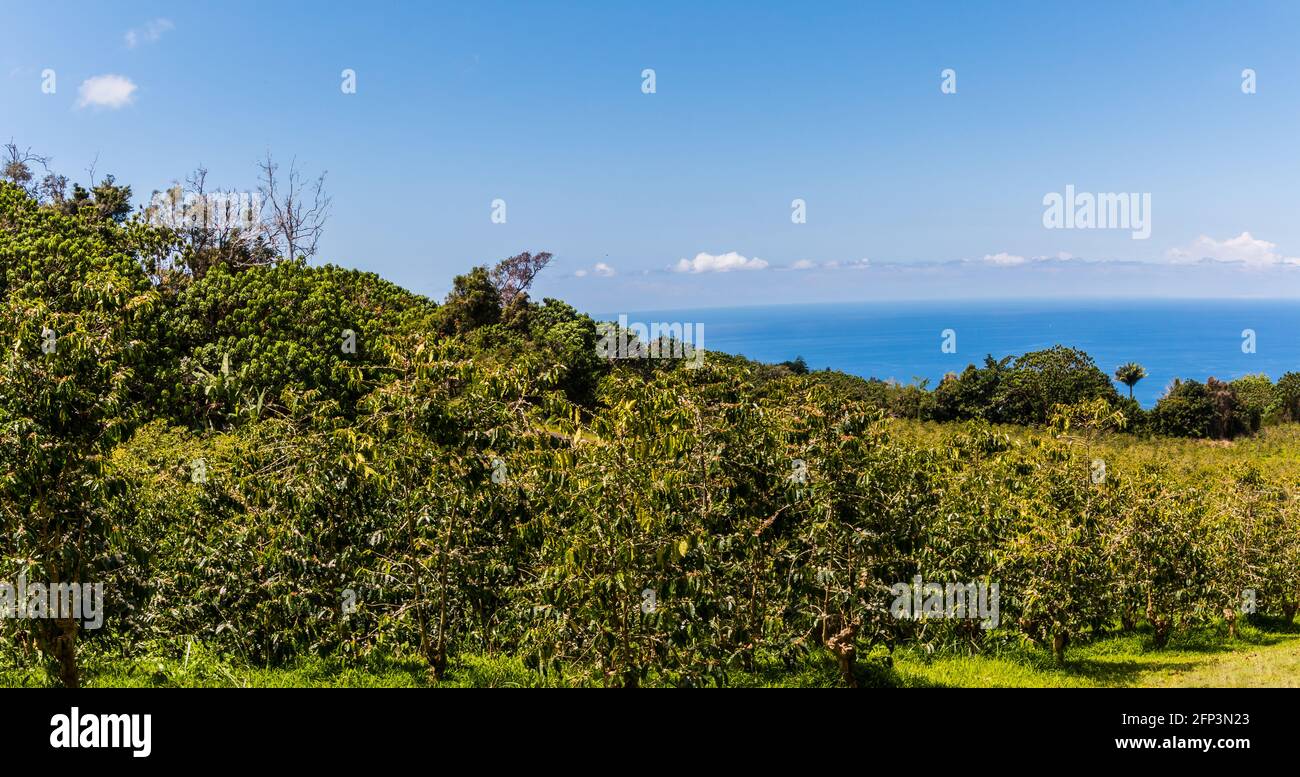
(287, 461)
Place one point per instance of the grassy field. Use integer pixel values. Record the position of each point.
(1273, 450)
(1202, 658)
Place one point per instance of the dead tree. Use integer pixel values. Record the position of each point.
(295, 210)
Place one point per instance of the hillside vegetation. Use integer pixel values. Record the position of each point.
(284, 463)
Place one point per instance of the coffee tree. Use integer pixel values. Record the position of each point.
(1159, 553)
(870, 498)
(1052, 568)
(73, 304)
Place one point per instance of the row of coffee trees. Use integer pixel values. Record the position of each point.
(683, 530)
(280, 461)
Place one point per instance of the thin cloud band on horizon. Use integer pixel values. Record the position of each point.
(1244, 249)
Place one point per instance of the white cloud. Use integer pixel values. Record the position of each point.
(149, 33)
(1003, 258)
(856, 264)
(600, 268)
(106, 91)
(1243, 249)
(719, 263)
(830, 264)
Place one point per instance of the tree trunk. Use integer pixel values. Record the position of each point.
(1162, 628)
(57, 639)
(426, 645)
(1127, 619)
(438, 661)
(69, 672)
(1059, 640)
(1289, 607)
(846, 652)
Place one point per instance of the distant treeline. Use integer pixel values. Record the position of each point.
(1029, 389)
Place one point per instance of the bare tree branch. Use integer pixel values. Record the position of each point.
(90, 171)
(514, 276)
(17, 167)
(296, 210)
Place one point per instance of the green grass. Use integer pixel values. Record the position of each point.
(205, 670)
(1264, 656)
(1273, 450)
(1203, 657)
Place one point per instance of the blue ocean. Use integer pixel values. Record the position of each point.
(902, 340)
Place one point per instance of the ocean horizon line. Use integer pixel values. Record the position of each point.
(1065, 303)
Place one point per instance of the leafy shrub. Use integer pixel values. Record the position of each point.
(1194, 409)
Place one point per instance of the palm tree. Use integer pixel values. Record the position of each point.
(1129, 375)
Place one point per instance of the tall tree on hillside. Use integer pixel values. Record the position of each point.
(514, 276)
(1040, 380)
(1129, 374)
(16, 167)
(472, 303)
(103, 201)
(212, 226)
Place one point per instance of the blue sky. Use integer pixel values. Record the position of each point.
(909, 192)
